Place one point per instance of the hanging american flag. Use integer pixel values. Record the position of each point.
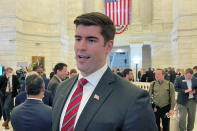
(119, 12)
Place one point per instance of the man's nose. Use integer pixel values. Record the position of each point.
(82, 45)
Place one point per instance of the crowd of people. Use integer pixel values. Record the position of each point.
(97, 98)
(16, 87)
(164, 84)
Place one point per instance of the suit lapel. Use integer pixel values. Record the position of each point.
(103, 90)
(62, 97)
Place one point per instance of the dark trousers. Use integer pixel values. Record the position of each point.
(161, 113)
(6, 101)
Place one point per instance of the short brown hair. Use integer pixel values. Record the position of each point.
(195, 67)
(98, 19)
(163, 72)
(9, 68)
(189, 70)
(73, 71)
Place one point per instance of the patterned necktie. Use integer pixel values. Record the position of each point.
(73, 106)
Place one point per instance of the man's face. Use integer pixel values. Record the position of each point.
(63, 73)
(9, 72)
(130, 75)
(89, 49)
(195, 71)
(158, 75)
(40, 71)
(188, 76)
(73, 74)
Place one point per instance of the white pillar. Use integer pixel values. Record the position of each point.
(136, 58)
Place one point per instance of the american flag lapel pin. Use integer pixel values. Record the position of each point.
(96, 97)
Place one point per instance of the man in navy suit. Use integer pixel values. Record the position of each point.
(186, 87)
(98, 99)
(33, 114)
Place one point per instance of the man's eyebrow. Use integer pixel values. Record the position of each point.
(92, 37)
(88, 37)
(77, 36)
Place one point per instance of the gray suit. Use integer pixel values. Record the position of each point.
(121, 107)
(53, 84)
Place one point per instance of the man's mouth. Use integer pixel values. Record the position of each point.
(83, 57)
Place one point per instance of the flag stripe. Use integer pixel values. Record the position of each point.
(119, 16)
(121, 12)
(113, 12)
(124, 12)
(128, 11)
(109, 6)
(117, 20)
(118, 11)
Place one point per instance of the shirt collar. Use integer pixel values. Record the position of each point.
(35, 99)
(96, 76)
(160, 82)
(187, 79)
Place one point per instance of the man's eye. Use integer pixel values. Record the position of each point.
(77, 39)
(92, 41)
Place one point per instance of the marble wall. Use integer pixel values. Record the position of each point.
(7, 33)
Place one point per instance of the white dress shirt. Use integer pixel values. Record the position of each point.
(9, 83)
(189, 85)
(88, 89)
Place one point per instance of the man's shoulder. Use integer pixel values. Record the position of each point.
(53, 81)
(67, 81)
(16, 110)
(47, 108)
(194, 79)
(180, 78)
(21, 95)
(36, 104)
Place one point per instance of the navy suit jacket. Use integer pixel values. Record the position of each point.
(32, 115)
(22, 96)
(121, 106)
(180, 86)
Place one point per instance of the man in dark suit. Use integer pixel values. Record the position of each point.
(102, 101)
(33, 114)
(8, 86)
(60, 71)
(186, 87)
(22, 96)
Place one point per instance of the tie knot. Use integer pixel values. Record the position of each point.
(83, 81)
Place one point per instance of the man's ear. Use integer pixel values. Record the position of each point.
(109, 45)
(43, 88)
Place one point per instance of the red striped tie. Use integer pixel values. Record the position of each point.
(73, 106)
